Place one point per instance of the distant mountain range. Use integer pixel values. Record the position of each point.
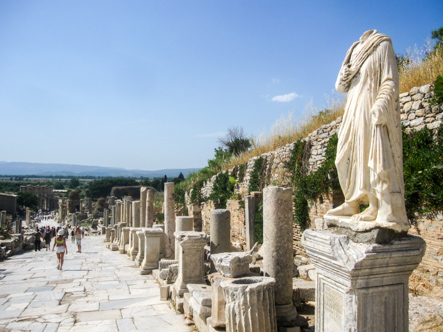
(20, 168)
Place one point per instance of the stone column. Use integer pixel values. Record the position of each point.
(150, 207)
(28, 217)
(251, 202)
(143, 194)
(195, 211)
(278, 247)
(113, 215)
(133, 243)
(141, 247)
(220, 233)
(124, 240)
(136, 214)
(169, 204)
(152, 250)
(105, 217)
(191, 260)
(3, 220)
(129, 214)
(118, 211)
(250, 304)
(182, 224)
(18, 225)
(362, 286)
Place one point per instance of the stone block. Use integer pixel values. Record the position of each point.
(303, 290)
(187, 309)
(201, 293)
(232, 265)
(304, 269)
(164, 293)
(289, 329)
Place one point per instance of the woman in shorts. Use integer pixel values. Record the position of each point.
(60, 243)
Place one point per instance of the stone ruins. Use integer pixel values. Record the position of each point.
(355, 266)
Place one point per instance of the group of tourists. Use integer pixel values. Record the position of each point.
(61, 235)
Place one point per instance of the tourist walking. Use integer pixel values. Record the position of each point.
(48, 239)
(72, 236)
(37, 240)
(78, 238)
(60, 243)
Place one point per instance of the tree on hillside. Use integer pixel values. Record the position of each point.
(438, 34)
(59, 185)
(235, 141)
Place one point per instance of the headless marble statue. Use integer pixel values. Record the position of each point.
(369, 152)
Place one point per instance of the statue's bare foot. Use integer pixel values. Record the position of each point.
(346, 209)
(370, 214)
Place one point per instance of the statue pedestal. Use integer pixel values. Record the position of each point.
(362, 286)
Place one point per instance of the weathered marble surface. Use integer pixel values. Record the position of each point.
(369, 152)
(232, 264)
(361, 286)
(250, 304)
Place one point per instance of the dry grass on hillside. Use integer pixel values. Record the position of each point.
(417, 73)
(421, 72)
(284, 131)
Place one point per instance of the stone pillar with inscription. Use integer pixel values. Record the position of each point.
(362, 286)
(191, 268)
(152, 250)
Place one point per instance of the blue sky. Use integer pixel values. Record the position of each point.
(153, 84)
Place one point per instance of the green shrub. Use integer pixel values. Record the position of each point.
(258, 223)
(254, 181)
(222, 190)
(423, 171)
(438, 90)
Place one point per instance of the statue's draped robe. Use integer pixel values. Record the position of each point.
(369, 157)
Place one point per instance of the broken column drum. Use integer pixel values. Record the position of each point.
(182, 224)
(220, 229)
(152, 250)
(278, 247)
(169, 219)
(250, 304)
(105, 217)
(191, 260)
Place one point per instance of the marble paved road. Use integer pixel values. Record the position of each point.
(98, 290)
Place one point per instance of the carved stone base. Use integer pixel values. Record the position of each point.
(361, 286)
(250, 304)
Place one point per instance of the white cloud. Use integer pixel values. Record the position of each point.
(285, 98)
